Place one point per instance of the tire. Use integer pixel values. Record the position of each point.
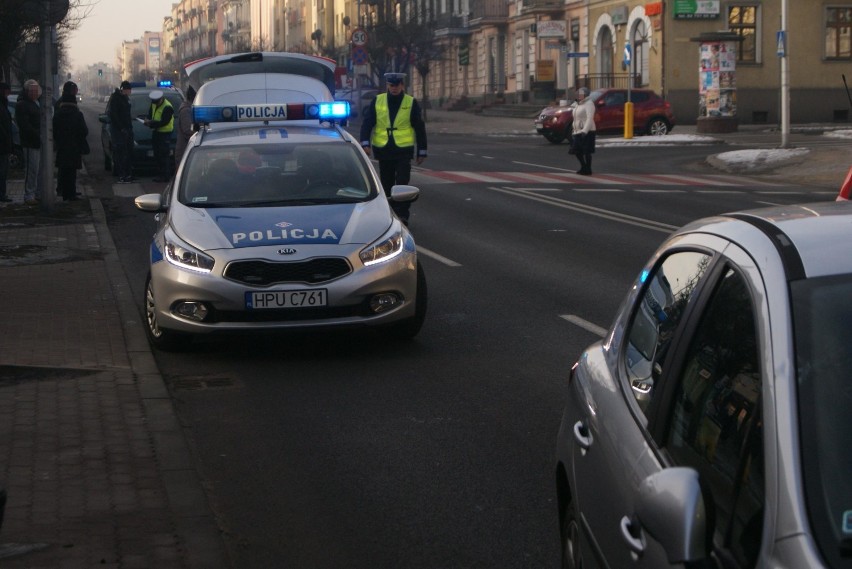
(554, 137)
(572, 557)
(658, 126)
(161, 338)
(410, 327)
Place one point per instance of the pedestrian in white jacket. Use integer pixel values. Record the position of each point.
(583, 137)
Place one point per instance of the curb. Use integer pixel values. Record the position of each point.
(195, 522)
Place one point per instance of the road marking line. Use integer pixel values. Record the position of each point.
(437, 257)
(584, 324)
(590, 210)
(598, 189)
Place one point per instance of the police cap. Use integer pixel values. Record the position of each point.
(155, 95)
(394, 78)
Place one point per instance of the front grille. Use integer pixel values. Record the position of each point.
(263, 273)
(289, 314)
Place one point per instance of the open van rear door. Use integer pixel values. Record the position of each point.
(206, 70)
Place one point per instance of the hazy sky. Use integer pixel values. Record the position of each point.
(112, 21)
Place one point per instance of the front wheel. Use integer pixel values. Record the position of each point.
(658, 126)
(554, 137)
(570, 530)
(166, 340)
(108, 160)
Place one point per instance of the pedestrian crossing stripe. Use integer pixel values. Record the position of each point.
(468, 177)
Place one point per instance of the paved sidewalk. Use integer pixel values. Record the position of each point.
(92, 456)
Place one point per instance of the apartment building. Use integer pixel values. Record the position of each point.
(484, 52)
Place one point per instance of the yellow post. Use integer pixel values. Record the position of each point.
(628, 120)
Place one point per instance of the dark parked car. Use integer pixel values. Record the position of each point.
(710, 426)
(651, 114)
(140, 104)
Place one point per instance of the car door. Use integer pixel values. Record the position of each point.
(610, 112)
(710, 414)
(641, 109)
(614, 451)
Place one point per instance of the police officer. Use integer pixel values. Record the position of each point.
(392, 127)
(161, 119)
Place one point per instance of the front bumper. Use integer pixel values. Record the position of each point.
(348, 296)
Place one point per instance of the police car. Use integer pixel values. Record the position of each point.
(276, 220)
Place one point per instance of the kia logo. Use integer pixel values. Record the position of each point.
(287, 251)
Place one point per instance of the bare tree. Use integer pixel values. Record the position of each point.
(16, 30)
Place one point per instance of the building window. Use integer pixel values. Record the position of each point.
(742, 20)
(837, 33)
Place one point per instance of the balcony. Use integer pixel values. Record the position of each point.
(451, 25)
(488, 12)
(530, 6)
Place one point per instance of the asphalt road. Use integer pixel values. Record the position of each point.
(346, 450)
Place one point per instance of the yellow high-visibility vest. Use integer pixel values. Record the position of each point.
(403, 132)
(157, 114)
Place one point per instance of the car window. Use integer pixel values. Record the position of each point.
(639, 96)
(716, 423)
(264, 174)
(615, 98)
(668, 289)
(822, 311)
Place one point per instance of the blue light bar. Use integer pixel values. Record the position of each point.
(335, 110)
(271, 112)
(164, 83)
(210, 114)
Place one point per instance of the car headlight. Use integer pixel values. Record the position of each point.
(179, 253)
(383, 250)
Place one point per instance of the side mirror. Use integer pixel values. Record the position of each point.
(670, 507)
(151, 203)
(104, 118)
(404, 193)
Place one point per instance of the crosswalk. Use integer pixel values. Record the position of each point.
(598, 180)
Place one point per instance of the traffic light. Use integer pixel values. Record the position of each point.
(100, 72)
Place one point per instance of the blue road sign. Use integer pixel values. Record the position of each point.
(628, 52)
(781, 42)
(577, 54)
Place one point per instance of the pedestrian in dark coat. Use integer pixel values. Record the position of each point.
(28, 119)
(121, 133)
(6, 146)
(69, 135)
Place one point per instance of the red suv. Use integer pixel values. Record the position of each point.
(651, 114)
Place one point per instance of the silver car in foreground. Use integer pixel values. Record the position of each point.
(712, 425)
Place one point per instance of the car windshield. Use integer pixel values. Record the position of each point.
(822, 312)
(269, 175)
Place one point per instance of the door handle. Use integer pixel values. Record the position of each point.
(582, 436)
(632, 535)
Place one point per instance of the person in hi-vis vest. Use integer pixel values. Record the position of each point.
(391, 130)
(161, 120)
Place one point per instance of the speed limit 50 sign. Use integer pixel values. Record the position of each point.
(359, 37)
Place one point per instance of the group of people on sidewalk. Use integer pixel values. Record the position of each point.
(69, 136)
(70, 133)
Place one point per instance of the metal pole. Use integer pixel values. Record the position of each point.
(785, 81)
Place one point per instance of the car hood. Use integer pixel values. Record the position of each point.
(555, 110)
(233, 228)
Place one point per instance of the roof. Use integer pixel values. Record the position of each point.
(819, 233)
